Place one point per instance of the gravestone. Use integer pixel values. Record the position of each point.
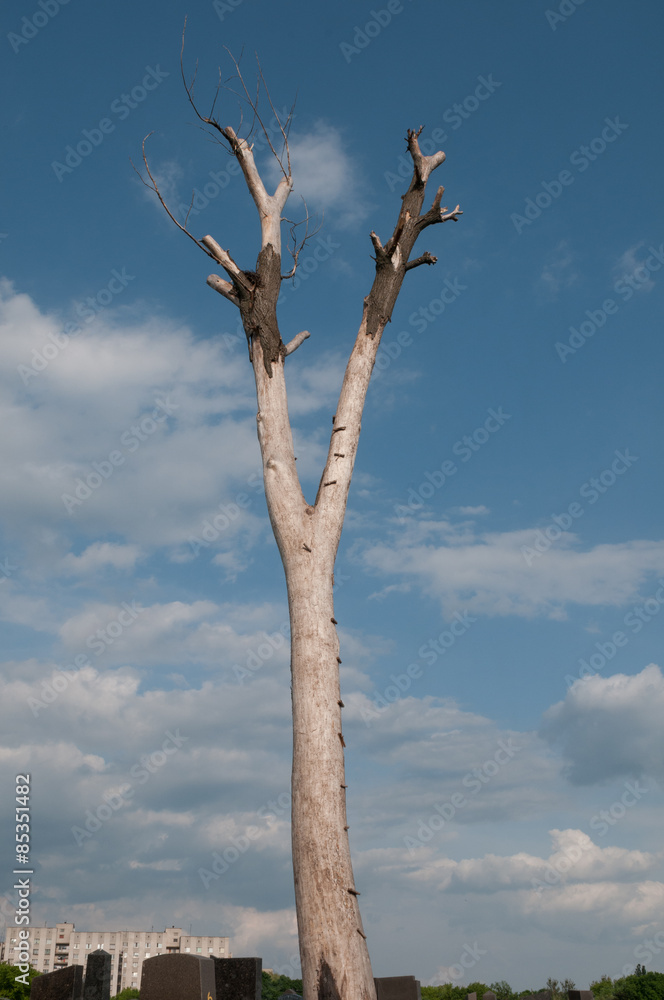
(489, 995)
(238, 978)
(580, 994)
(178, 977)
(542, 995)
(97, 984)
(63, 984)
(472, 996)
(397, 988)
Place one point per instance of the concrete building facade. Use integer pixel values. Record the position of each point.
(56, 947)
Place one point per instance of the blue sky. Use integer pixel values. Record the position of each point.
(503, 535)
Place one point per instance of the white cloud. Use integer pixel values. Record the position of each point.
(98, 555)
(324, 174)
(628, 265)
(487, 573)
(610, 727)
(158, 400)
(574, 858)
(557, 272)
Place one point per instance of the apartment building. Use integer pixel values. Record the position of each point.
(57, 947)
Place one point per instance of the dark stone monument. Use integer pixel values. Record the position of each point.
(472, 996)
(97, 984)
(542, 995)
(489, 995)
(63, 984)
(580, 994)
(397, 988)
(238, 978)
(178, 977)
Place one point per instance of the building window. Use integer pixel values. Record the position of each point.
(159, 944)
(199, 949)
(48, 940)
(47, 951)
(210, 949)
(134, 975)
(187, 949)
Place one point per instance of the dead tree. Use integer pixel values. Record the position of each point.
(333, 949)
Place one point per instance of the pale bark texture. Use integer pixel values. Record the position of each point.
(333, 948)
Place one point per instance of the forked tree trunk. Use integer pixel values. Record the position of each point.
(333, 949)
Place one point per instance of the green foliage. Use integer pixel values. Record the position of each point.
(128, 993)
(8, 985)
(502, 990)
(274, 986)
(449, 992)
(479, 988)
(602, 989)
(641, 985)
(560, 990)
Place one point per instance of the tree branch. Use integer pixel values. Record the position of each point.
(269, 206)
(224, 288)
(238, 277)
(153, 186)
(298, 339)
(438, 214)
(424, 165)
(298, 246)
(426, 258)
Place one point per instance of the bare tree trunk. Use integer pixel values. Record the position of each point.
(333, 949)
